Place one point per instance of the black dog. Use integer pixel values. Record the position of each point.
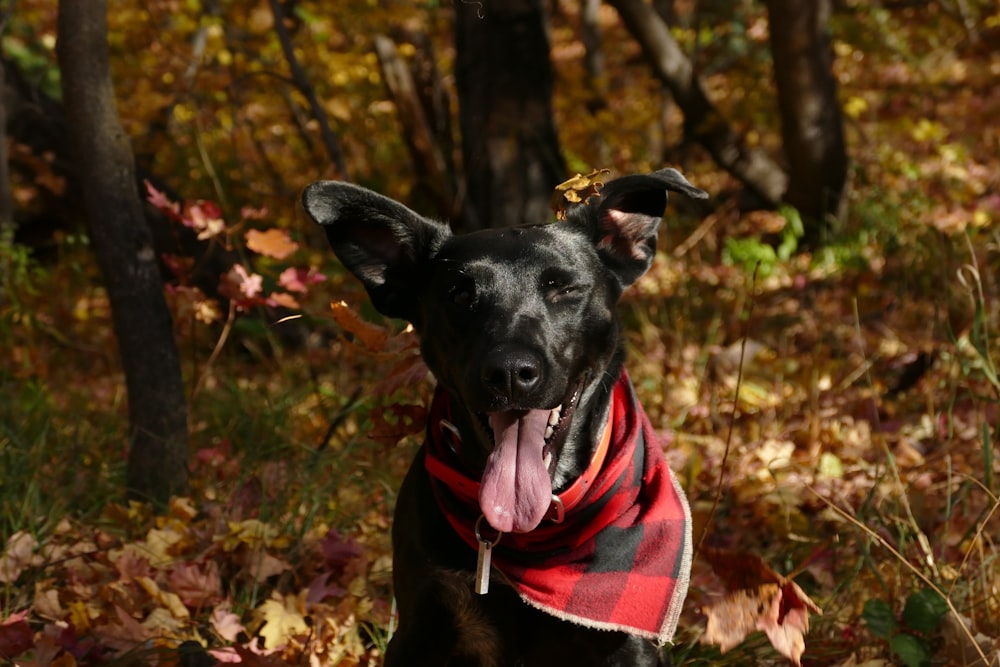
(539, 524)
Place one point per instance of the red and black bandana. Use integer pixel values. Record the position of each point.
(620, 560)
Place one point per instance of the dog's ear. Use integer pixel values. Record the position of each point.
(378, 239)
(625, 217)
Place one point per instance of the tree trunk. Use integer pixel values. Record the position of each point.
(812, 126)
(157, 458)
(702, 119)
(509, 142)
(434, 172)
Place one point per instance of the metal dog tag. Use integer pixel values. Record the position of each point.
(483, 568)
(484, 558)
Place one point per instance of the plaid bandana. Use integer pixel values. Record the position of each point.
(620, 560)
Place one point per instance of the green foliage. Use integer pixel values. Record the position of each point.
(910, 636)
(924, 611)
(750, 251)
(880, 618)
(33, 55)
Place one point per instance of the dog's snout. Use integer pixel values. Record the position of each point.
(511, 374)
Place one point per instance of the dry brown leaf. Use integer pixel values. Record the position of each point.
(760, 599)
(19, 554)
(197, 585)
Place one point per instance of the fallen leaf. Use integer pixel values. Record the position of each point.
(320, 589)
(760, 599)
(280, 619)
(166, 599)
(225, 623)
(46, 604)
(261, 566)
(16, 636)
(338, 551)
(19, 554)
(197, 585)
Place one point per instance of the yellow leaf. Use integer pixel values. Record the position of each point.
(279, 619)
(170, 601)
(183, 509)
(577, 189)
(81, 614)
(855, 106)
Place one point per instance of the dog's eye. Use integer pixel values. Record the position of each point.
(461, 297)
(462, 294)
(557, 289)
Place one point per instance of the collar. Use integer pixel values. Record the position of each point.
(441, 430)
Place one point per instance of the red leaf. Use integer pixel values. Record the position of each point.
(16, 636)
(337, 551)
(162, 202)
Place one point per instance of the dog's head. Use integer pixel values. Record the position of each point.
(517, 324)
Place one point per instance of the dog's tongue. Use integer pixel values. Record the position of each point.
(516, 490)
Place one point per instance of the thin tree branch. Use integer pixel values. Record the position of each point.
(304, 87)
(702, 120)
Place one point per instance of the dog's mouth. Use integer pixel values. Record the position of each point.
(516, 488)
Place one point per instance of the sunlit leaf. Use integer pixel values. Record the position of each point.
(272, 242)
(280, 619)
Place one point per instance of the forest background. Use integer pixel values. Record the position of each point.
(198, 456)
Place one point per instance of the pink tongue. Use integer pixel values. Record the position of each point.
(516, 490)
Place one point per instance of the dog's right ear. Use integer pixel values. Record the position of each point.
(378, 239)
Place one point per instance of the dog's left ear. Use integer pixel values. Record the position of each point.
(625, 218)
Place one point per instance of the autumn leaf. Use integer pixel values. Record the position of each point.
(16, 636)
(19, 554)
(225, 623)
(205, 220)
(372, 337)
(272, 243)
(338, 551)
(296, 279)
(241, 286)
(280, 619)
(578, 189)
(408, 372)
(197, 585)
(283, 300)
(760, 599)
(161, 201)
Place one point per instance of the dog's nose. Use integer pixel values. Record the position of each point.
(511, 373)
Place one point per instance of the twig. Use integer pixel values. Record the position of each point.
(302, 83)
(219, 344)
(732, 417)
(925, 544)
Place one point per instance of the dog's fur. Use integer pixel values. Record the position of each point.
(510, 320)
